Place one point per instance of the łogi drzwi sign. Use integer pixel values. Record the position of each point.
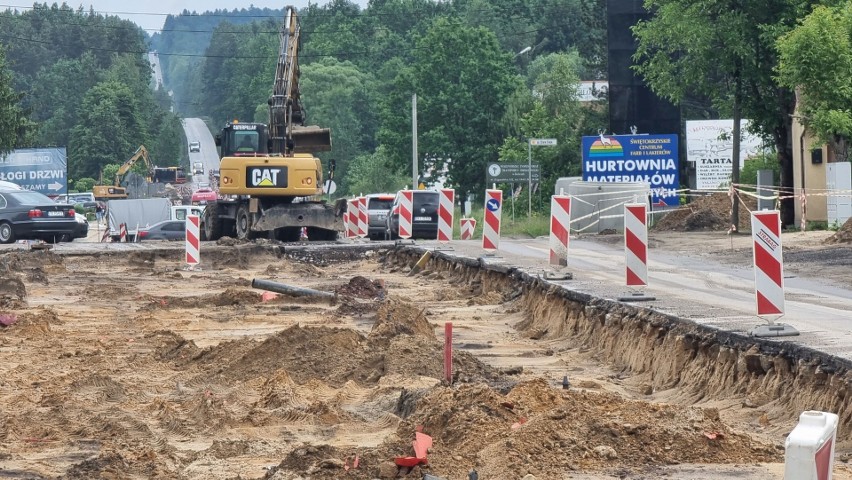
(44, 170)
(652, 159)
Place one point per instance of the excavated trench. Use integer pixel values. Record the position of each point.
(663, 351)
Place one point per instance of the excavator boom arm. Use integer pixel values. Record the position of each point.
(141, 153)
(287, 133)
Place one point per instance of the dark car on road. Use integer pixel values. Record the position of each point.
(27, 215)
(424, 216)
(165, 230)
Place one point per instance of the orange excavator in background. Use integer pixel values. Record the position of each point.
(270, 183)
(116, 191)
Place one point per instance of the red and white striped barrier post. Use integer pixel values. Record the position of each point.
(560, 225)
(446, 208)
(352, 209)
(769, 273)
(768, 262)
(491, 223)
(468, 226)
(636, 244)
(809, 448)
(406, 209)
(193, 252)
(363, 217)
(122, 233)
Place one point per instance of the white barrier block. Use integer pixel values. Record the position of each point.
(809, 449)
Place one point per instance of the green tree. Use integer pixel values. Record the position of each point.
(816, 58)
(553, 111)
(725, 51)
(107, 174)
(462, 79)
(110, 129)
(15, 127)
(85, 184)
(57, 92)
(337, 95)
(373, 174)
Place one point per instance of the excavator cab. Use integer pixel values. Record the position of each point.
(243, 140)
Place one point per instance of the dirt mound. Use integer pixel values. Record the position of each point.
(47, 261)
(475, 426)
(361, 287)
(707, 213)
(12, 287)
(566, 431)
(230, 297)
(843, 235)
(396, 317)
(402, 343)
(33, 324)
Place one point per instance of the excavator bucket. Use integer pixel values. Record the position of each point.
(311, 139)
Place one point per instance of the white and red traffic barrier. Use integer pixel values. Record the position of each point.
(491, 223)
(468, 226)
(352, 209)
(193, 250)
(560, 224)
(446, 208)
(636, 244)
(406, 209)
(809, 449)
(363, 217)
(768, 262)
(122, 233)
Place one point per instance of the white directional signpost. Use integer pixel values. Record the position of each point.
(44, 170)
(535, 142)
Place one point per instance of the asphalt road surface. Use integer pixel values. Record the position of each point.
(196, 131)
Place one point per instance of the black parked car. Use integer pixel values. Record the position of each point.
(27, 215)
(424, 216)
(165, 230)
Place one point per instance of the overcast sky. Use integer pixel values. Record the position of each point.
(150, 14)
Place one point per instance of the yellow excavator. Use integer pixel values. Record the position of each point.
(270, 184)
(116, 191)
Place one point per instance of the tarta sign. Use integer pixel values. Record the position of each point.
(710, 144)
(41, 169)
(652, 159)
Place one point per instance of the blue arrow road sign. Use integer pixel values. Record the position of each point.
(493, 204)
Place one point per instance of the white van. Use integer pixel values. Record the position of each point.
(198, 168)
(180, 212)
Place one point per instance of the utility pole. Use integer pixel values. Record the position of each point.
(414, 176)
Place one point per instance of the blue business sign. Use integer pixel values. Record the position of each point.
(652, 159)
(44, 170)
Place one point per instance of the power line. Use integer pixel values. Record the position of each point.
(249, 57)
(361, 13)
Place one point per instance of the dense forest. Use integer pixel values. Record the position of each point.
(478, 98)
(82, 81)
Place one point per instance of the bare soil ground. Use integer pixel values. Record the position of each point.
(126, 366)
